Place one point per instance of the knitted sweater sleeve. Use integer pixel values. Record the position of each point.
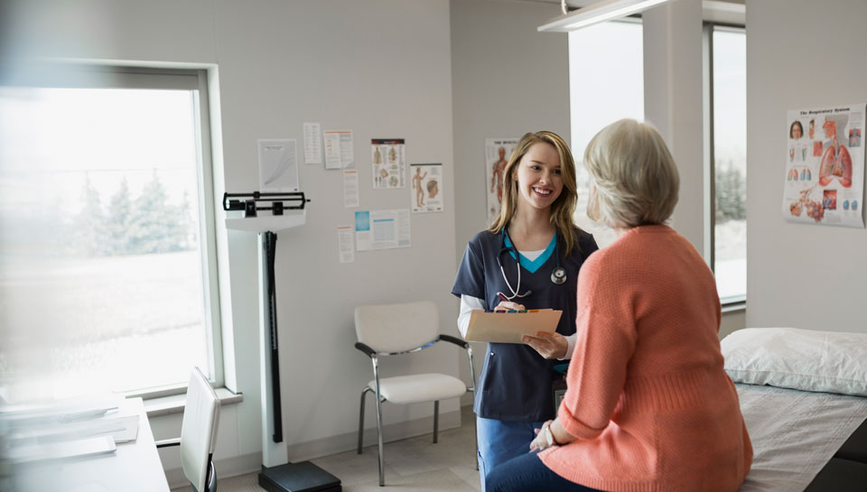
(606, 338)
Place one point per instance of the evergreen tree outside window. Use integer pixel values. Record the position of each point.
(729, 167)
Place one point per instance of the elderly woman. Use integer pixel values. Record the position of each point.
(648, 405)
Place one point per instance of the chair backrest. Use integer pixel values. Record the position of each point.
(199, 429)
(397, 327)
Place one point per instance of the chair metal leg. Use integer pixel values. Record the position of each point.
(211, 480)
(436, 420)
(378, 394)
(379, 441)
(473, 391)
(361, 418)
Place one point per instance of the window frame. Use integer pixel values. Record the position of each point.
(111, 76)
(708, 28)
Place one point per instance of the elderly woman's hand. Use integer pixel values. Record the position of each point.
(549, 345)
(541, 443)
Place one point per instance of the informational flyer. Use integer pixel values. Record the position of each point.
(278, 165)
(426, 193)
(344, 244)
(312, 143)
(382, 229)
(388, 161)
(824, 172)
(339, 153)
(350, 188)
(497, 152)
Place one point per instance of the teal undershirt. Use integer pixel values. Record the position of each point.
(532, 266)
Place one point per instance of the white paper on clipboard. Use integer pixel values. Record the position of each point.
(505, 327)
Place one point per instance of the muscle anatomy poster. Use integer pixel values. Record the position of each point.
(824, 172)
(497, 152)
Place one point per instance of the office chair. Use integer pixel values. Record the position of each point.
(198, 433)
(394, 329)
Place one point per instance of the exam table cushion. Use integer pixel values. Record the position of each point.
(794, 434)
(805, 360)
(419, 388)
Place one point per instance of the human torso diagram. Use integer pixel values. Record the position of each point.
(824, 163)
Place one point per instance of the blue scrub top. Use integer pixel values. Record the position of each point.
(515, 383)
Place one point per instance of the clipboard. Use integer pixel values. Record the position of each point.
(509, 327)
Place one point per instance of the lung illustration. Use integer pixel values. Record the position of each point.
(836, 162)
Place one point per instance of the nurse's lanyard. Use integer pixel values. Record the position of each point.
(558, 274)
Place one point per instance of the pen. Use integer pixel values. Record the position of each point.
(502, 297)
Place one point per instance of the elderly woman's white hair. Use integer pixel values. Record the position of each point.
(635, 176)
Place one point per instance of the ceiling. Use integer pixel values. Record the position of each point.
(584, 3)
(729, 12)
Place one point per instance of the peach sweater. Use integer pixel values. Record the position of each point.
(647, 398)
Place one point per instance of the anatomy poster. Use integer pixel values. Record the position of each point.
(426, 193)
(497, 152)
(389, 166)
(278, 165)
(824, 182)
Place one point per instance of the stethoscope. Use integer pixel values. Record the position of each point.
(558, 274)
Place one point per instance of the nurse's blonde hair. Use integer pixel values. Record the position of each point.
(563, 207)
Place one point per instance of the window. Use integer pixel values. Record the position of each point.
(107, 249)
(727, 57)
(606, 83)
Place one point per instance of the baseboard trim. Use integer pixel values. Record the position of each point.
(390, 432)
(228, 467)
(249, 463)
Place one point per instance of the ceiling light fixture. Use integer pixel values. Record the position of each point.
(596, 13)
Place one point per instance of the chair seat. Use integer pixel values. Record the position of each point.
(419, 388)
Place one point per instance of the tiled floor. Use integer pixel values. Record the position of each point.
(416, 465)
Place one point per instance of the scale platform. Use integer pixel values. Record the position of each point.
(298, 477)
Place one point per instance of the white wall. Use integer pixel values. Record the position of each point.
(381, 68)
(507, 79)
(799, 55)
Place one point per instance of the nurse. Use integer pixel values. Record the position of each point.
(528, 259)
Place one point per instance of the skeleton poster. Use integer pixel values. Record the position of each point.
(497, 152)
(389, 165)
(824, 182)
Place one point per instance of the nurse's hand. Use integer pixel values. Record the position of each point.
(549, 345)
(507, 306)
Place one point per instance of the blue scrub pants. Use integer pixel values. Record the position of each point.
(527, 473)
(500, 441)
